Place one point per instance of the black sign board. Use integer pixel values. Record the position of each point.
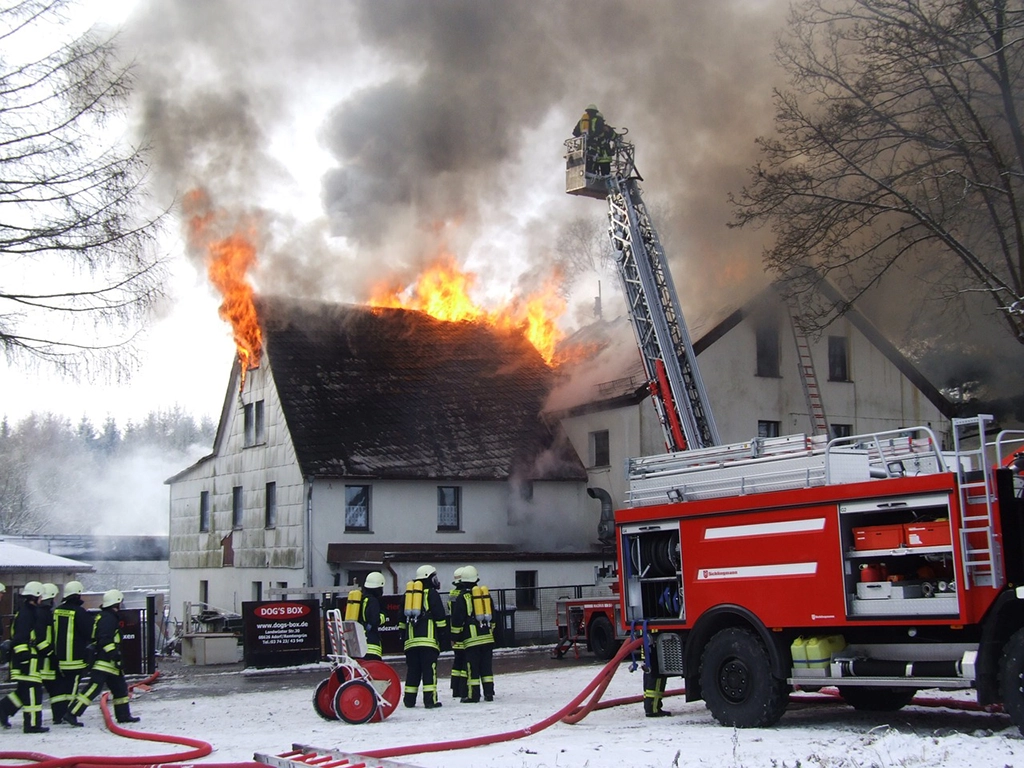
(129, 624)
(281, 633)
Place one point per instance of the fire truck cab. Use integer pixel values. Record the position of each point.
(876, 563)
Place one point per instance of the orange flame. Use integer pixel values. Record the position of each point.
(228, 261)
(443, 291)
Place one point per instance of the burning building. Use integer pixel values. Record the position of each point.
(378, 439)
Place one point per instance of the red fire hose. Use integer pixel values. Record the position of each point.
(571, 713)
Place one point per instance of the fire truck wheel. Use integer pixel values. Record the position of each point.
(356, 702)
(602, 638)
(1011, 679)
(868, 699)
(737, 683)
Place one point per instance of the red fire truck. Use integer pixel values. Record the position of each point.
(878, 563)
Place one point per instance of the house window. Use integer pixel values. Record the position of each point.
(270, 510)
(840, 430)
(526, 590)
(236, 507)
(448, 498)
(257, 590)
(204, 593)
(768, 428)
(838, 359)
(253, 419)
(357, 508)
(204, 511)
(766, 339)
(600, 454)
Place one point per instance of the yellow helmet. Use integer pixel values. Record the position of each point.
(50, 591)
(112, 597)
(73, 588)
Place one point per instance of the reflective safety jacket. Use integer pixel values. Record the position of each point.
(72, 631)
(44, 642)
(24, 654)
(465, 626)
(372, 618)
(423, 632)
(107, 636)
(453, 597)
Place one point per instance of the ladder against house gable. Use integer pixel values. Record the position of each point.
(808, 377)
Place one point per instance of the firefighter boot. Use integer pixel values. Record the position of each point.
(124, 714)
(410, 700)
(430, 701)
(34, 724)
(5, 712)
(70, 719)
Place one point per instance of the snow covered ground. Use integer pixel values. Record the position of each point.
(814, 733)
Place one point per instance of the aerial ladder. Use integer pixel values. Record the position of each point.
(668, 358)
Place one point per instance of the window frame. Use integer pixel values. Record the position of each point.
(248, 425)
(767, 351)
(838, 358)
(600, 448)
(356, 528)
(526, 593)
(442, 508)
(205, 510)
(270, 505)
(769, 428)
(237, 507)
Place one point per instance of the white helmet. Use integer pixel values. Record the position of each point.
(73, 588)
(3, 588)
(457, 576)
(374, 580)
(32, 589)
(50, 591)
(425, 571)
(112, 597)
(470, 575)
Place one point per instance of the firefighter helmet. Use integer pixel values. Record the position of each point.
(3, 588)
(374, 580)
(112, 597)
(425, 571)
(591, 107)
(470, 575)
(32, 589)
(73, 588)
(457, 577)
(50, 591)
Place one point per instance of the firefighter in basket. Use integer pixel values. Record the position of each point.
(425, 625)
(72, 631)
(471, 626)
(28, 692)
(106, 670)
(459, 661)
(364, 606)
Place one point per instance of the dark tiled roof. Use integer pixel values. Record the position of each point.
(395, 393)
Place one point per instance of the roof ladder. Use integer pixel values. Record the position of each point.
(808, 377)
(982, 560)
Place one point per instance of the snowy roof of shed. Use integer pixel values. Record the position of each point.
(15, 558)
(396, 393)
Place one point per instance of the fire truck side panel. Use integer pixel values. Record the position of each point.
(784, 566)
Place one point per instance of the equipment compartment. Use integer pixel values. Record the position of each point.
(886, 574)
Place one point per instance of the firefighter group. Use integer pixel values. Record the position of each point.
(428, 628)
(65, 651)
